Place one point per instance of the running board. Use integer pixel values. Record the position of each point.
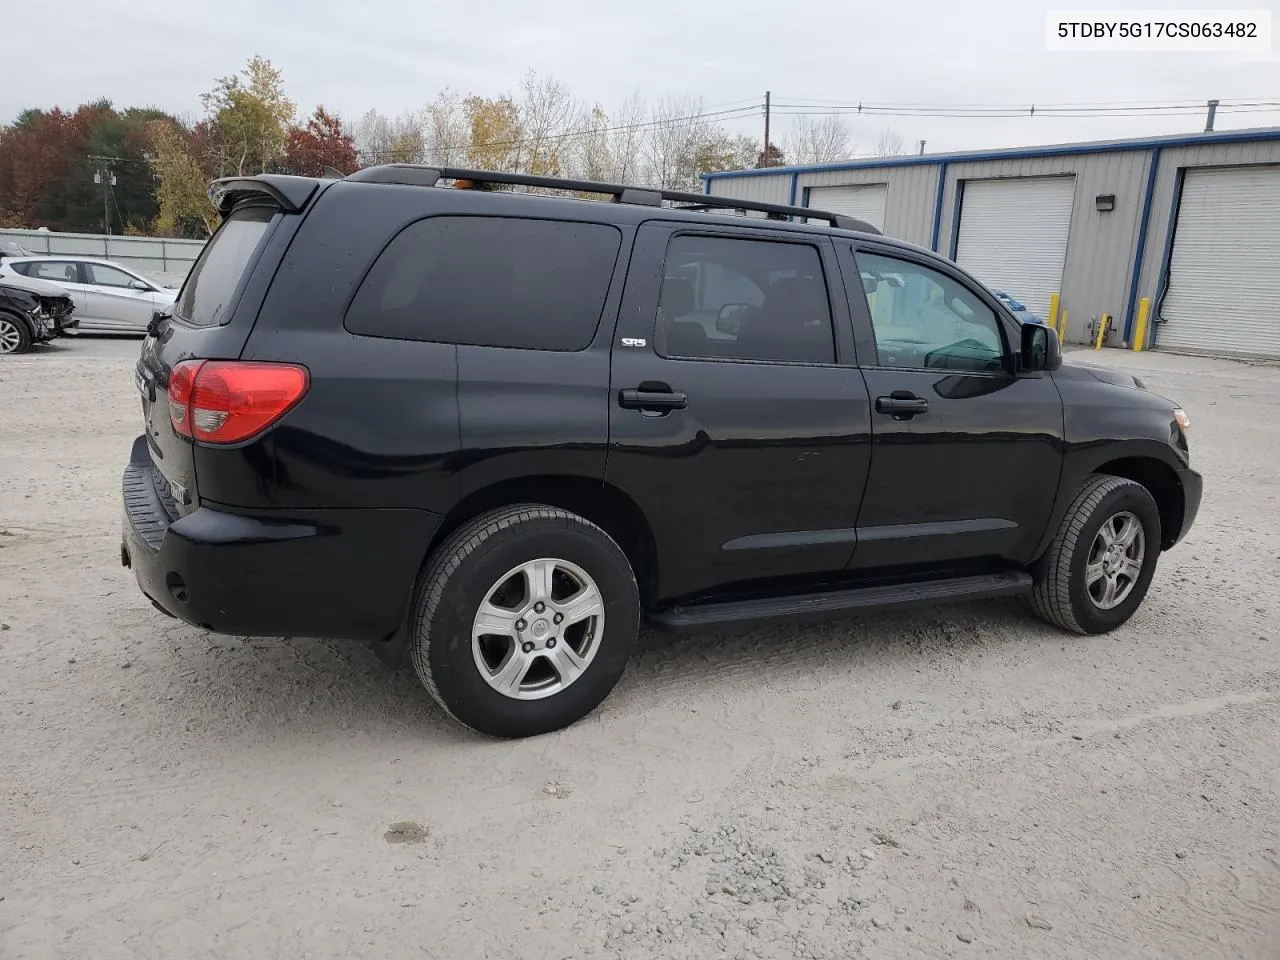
(840, 603)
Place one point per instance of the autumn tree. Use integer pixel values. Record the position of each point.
(495, 133)
(323, 142)
(249, 117)
(182, 198)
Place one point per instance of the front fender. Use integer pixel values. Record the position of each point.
(1106, 423)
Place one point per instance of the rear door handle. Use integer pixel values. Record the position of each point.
(901, 403)
(652, 400)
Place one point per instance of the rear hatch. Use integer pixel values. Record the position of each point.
(210, 320)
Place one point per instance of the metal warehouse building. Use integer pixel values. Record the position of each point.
(1191, 222)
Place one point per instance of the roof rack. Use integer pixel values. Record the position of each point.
(421, 175)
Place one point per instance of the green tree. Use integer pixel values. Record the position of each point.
(182, 199)
(249, 117)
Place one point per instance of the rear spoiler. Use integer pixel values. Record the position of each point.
(290, 193)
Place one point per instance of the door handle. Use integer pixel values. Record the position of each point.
(901, 403)
(647, 398)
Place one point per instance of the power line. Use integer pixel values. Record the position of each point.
(989, 111)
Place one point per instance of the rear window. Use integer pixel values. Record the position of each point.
(206, 297)
(491, 282)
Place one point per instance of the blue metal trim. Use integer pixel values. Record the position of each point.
(937, 205)
(955, 220)
(706, 183)
(1142, 243)
(1061, 150)
(795, 182)
(1166, 258)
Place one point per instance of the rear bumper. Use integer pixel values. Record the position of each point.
(345, 574)
(1192, 491)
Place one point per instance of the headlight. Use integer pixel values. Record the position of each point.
(1183, 421)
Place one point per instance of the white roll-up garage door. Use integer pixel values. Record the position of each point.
(1013, 235)
(1224, 275)
(866, 201)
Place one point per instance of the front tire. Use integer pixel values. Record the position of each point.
(524, 621)
(1100, 564)
(14, 335)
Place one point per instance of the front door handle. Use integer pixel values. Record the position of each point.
(652, 398)
(901, 403)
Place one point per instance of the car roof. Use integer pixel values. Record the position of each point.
(64, 257)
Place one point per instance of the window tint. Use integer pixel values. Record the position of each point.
(490, 281)
(744, 300)
(106, 276)
(205, 300)
(58, 270)
(924, 318)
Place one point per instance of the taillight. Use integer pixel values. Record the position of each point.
(226, 401)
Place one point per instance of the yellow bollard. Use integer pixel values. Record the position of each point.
(1053, 311)
(1062, 331)
(1140, 331)
(1104, 322)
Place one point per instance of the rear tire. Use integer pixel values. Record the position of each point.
(14, 335)
(561, 611)
(1101, 561)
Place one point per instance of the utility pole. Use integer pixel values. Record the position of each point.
(766, 126)
(104, 176)
(921, 146)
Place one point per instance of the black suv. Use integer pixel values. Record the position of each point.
(498, 428)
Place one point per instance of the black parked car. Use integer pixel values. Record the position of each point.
(29, 314)
(499, 430)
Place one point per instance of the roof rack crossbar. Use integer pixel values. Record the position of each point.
(414, 174)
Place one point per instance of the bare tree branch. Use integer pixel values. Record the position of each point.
(889, 144)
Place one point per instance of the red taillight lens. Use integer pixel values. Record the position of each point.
(226, 401)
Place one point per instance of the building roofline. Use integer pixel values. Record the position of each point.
(1011, 153)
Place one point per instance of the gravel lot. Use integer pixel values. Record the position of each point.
(966, 782)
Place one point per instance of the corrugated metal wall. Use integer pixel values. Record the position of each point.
(766, 188)
(912, 195)
(1100, 246)
(1164, 199)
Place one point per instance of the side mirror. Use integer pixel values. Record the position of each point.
(1040, 347)
(729, 319)
(140, 285)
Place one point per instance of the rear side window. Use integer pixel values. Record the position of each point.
(736, 299)
(206, 297)
(490, 282)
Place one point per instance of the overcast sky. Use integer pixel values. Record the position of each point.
(395, 55)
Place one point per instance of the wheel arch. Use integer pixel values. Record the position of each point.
(602, 503)
(1162, 482)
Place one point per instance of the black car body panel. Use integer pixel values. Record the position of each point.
(721, 475)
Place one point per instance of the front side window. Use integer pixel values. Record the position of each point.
(925, 319)
(490, 282)
(104, 276)
(733, 299)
